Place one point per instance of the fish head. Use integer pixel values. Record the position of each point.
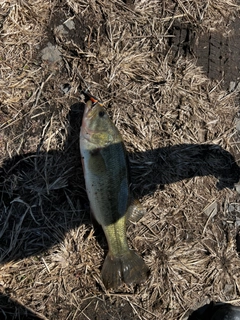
(97, 127)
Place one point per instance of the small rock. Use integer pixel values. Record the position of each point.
(232, 86)
(51, 53)
(238, 125)
(65, 87)
(61, 30)
(228, 288)
(69, 24)
(211, 210)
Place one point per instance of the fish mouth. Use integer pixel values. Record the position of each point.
(90, 96)
(88, 115)
(88, 111)
(88, 107)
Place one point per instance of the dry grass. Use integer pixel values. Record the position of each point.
(176, 124)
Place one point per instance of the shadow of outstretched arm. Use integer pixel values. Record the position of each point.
(175, 163)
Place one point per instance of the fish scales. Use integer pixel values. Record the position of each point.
(107, 185)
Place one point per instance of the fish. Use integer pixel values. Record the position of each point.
(106, 174)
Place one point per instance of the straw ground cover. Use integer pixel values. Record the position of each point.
(179, 130)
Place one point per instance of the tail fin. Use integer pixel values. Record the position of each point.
(128, 268)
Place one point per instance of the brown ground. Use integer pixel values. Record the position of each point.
(147, 63)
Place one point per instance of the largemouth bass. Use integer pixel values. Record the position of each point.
(107, 184)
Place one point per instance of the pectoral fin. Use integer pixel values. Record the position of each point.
(135, 211)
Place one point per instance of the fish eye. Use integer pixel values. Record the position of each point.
(101, 114)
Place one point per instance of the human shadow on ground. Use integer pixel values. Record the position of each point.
(43, 194)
